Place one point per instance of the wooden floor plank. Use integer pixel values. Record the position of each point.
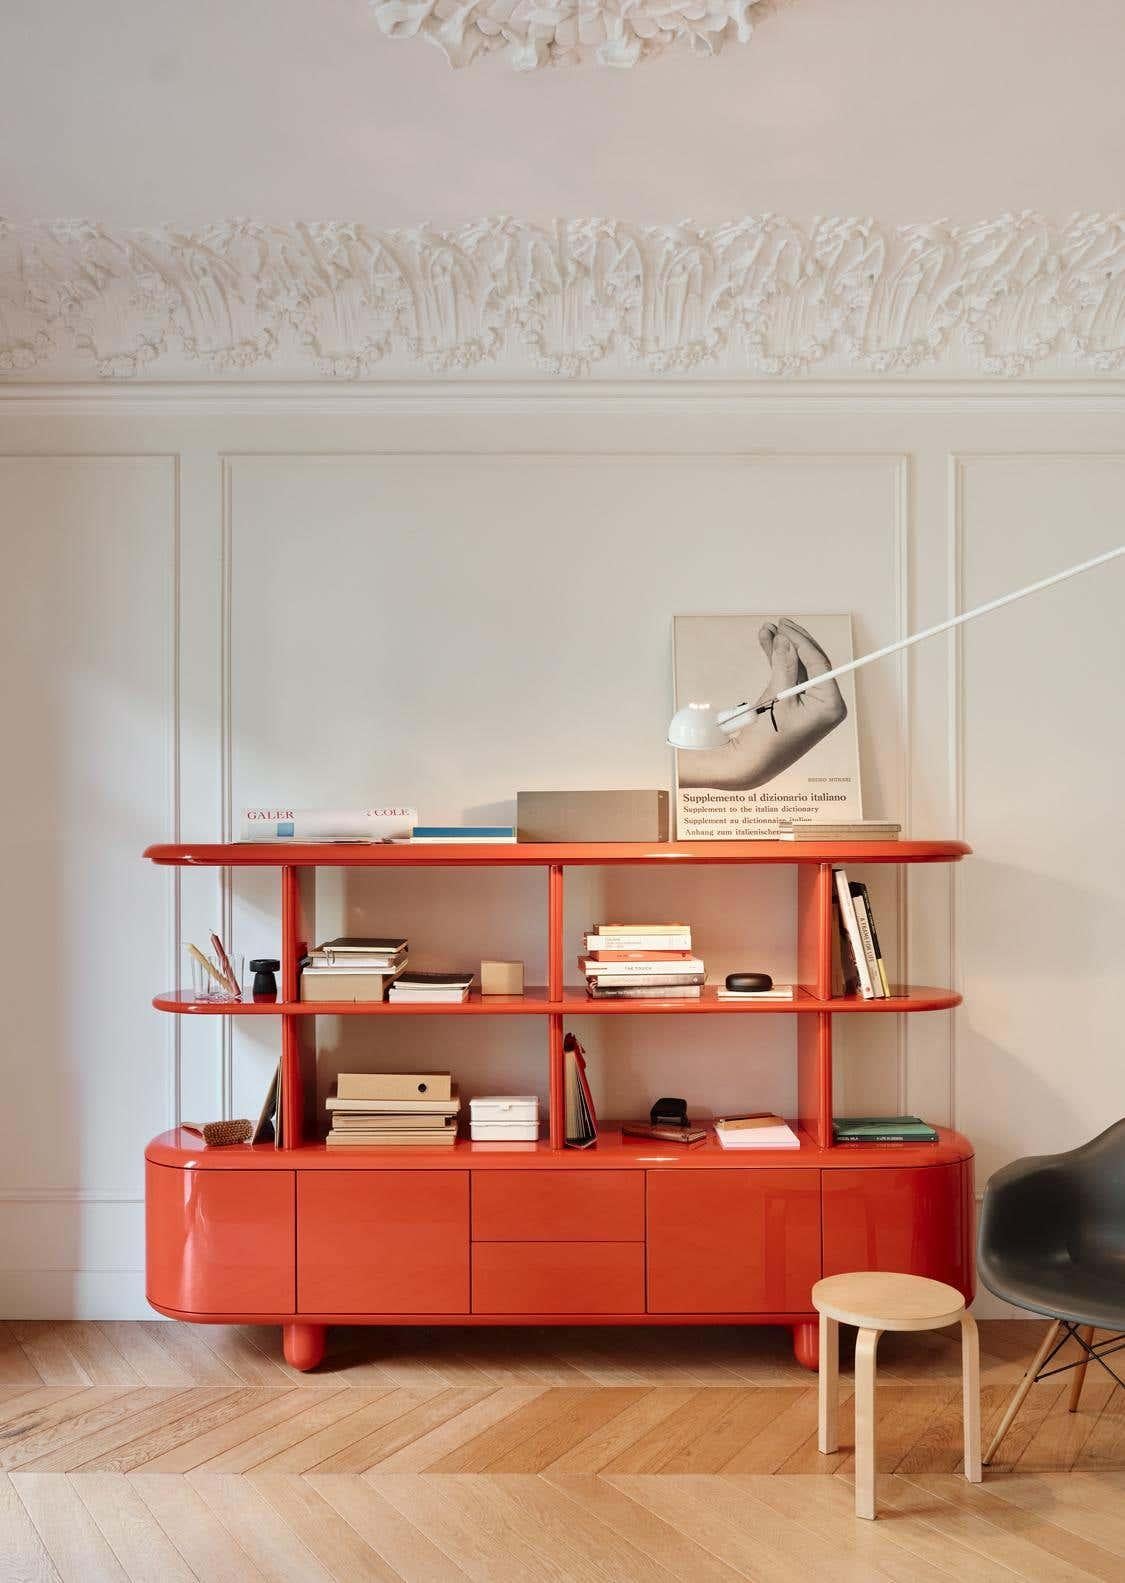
(231, 1346)
(316, 1410)
(399, 1542)
(23, 1555)
(321, 1529)
(141, 1546)
(266, 1536)
(610, 1439)
(70, 1535)
(222, 1448)
(211, 1551)
(45, 1429)
(655, 1538)
(459, 1517)
(579, 1414)
(122, 1447)
(16, 1368)
(781, 1439)
(143, 1354)
(1060, 1555)
(720, 1513)
(186, 1348)
(96, 1355)
(385, 1439)
(43, 1345)
(424, 1452)
(1071, 1504)
(379, 1407)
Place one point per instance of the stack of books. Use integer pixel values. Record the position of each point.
(637, 961)
(396, 1109)
(431, 988)
(883, 1129)
(352, 967)
(857, 957)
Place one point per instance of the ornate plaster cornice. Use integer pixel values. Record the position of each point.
(533, 33)
(759, 297)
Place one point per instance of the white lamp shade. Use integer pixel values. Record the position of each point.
(696, 726)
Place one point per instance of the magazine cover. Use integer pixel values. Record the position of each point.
(801, 761)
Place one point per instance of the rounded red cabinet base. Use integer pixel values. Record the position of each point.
(292, 1238)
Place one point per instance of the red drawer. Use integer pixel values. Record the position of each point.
(737, 1242)
(219, 1242)
(558, 1206)
(558, 1278)
(914, 1219)
(383, 1242)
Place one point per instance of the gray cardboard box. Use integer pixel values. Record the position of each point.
(592, 816)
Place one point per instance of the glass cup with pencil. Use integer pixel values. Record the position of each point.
(217, 976)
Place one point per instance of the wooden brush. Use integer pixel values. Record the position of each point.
(216, 1134)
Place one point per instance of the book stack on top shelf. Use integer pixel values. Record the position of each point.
(638, 961)
(397, 1109)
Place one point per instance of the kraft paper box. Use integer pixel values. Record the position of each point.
(592, 816)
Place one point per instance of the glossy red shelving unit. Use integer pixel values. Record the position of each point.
(265, 1247)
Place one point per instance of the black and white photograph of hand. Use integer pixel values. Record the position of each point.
(771, 742)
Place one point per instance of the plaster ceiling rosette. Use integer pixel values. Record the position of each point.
(533, 33)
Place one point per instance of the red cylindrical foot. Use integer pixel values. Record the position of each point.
(806, 1343)
(303, 1344)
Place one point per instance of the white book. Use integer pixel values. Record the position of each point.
(782, 1137)
(851, 928)
(778, 992)
(327, 824)
(640, 970)
(639, 942)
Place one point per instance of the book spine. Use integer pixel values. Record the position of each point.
(314, 824)
(882, 966)
(640, 956)
(638, 942)
(638, 970)
(851, 929)
(863, 923)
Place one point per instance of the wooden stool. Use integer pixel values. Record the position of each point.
(875, 1302)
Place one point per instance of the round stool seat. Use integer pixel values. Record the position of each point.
(881, 1300)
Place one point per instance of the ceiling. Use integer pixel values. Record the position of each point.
(133, 112)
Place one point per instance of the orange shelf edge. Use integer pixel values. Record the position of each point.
(574, 1002)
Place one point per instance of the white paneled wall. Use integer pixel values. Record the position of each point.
(442, 598)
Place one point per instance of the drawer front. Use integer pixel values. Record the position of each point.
(917, 1220)
(737, 1242)
(383, 1242)
(558, 1278)
(558, 1206)
(219, 1242)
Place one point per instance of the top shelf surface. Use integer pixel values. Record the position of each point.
(539, 854)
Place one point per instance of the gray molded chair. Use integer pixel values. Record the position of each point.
(1052, 1240)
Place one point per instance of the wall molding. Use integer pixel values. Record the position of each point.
(763, 296)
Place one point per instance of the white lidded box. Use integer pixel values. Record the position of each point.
(496, 1117)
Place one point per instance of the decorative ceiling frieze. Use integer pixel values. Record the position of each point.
(534, 33)
(762, 296)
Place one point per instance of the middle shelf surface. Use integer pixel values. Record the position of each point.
(535, 1002)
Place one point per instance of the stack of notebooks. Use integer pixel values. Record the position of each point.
(857, 957)
(435, 989)
(858, 830)
(352, 967)
(882, 1129)
(759, 1130)
(638, 961)
(398, 1109)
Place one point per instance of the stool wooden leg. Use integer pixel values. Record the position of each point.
(866, 1343)
(970, 1396)
(1087, 1334)
(1022, 1389)
(828, 1437)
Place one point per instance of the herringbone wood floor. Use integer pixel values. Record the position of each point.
(162, 1452)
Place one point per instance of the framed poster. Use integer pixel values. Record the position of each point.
(799, 762)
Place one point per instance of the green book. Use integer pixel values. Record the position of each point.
(907, 1129)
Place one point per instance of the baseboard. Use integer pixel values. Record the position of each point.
(74, 1294)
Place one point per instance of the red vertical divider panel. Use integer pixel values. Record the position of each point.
(298, 1034)
(555, 1032)
(814, 928)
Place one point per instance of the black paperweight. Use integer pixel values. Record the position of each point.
(743, 983)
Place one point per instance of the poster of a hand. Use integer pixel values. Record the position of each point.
(798, 761)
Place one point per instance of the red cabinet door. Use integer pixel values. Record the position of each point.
(580, 1278)
(383, 1242)
(737, 1242)
(913, 1219)
(219, 1242)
